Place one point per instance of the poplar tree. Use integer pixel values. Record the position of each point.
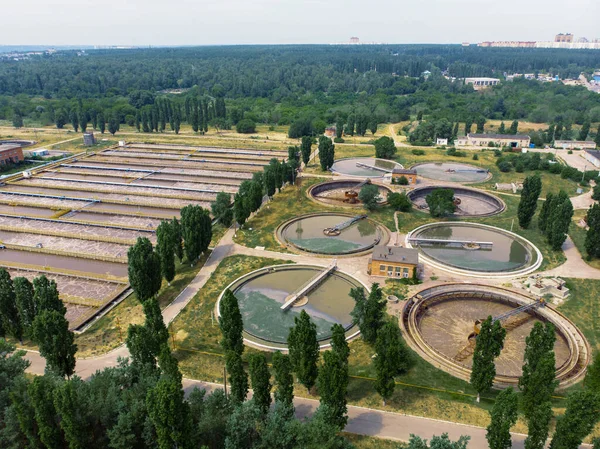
(138, 343)
(392, 358)
(284, 381)
(304, 349)
(545, 212)
(238, 379)
(231, 323)
(165, 247)
(74, 120)
(83, 120)
(532, 187)
(585, 130)
(333, 387)
(170, 414)
(326, 153)
(558, 226)
(101, 122)
(306, 149)
(592, 376)
(581, 415)
(45, 296)
(261, 382)
(55, 342)
(113, 124)
(75, 420)
(158, 334)
(339, 345)
(535, 385)
(592, 237)
(240, 209)
(177, 239)
(489, 344)
(368, 313)
(503, 416)
(24, 298)
(9, 313)
(502, 129)
(137, 120)
(196, 230)
(468, 126)
(41, 391)
(597, 140)
(514, 127)
(144, 269)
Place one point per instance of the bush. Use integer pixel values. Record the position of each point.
(338, 140)
(403, 181)
(497, 153)
(399, 201)
(504, 166)
(441, 202)
(418, 152)
(453, 152)
(519, 167)
(369, 196)
(475, 157)
(246, 126)
(570, 152)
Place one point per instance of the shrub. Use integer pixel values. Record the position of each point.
(369, 196)
(399, 201)
(338, 140)
(570, 152)
(497, 153)
(475, 157)
(403, 181)
(246, 126)
(418, 152)
(504, 166)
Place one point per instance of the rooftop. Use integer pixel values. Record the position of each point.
(595, 153)
(8, 147)
(500, 136)
(404, 171)
(396, 254)
(587, 142)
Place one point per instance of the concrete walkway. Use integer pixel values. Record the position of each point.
(575, 266)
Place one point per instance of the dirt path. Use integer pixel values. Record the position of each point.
(575, 266)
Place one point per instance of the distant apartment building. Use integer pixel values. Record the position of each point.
(499, 140)
(568, 37)
(10, 154)
(511, 44)
(575, 144)
(482, 83)
(354, 40)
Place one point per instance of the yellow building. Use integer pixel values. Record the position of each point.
(410, 175)
(394, 262)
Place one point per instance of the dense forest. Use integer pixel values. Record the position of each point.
(279, 84)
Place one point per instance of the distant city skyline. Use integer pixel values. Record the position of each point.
(224, 22)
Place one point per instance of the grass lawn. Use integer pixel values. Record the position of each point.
(583, 308)
(365, 442)
(110, 331)
(577, 234)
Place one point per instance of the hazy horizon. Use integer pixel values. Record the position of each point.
(236, 22)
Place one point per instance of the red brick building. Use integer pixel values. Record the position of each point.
(10, 154)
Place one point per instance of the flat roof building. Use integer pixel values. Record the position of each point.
(575, 144)
(499, 140)
(593, 156)
(409, 174)
(482, 83)
(10, 154)
(394, 262)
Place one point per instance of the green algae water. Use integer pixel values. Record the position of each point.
(507, 253)
(307, 234)
(260, 300)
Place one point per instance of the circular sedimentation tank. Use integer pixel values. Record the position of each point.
(322, 233)
(474, 249)
(364, 167)
(261, 294)
(471, 202)
(439, 324)
(336, 193)
(453, 172)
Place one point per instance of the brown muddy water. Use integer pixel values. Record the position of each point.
(63, 262)
(27, 211)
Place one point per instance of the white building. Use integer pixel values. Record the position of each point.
(441, 142)
(499, 140)
(575, 144)
(482, 83)
(593, 156)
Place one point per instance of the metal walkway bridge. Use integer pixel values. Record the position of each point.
(310, 285)
(345, 224)
(373, 167)
(425, 241)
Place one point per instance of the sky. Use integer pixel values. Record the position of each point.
(221, 22)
